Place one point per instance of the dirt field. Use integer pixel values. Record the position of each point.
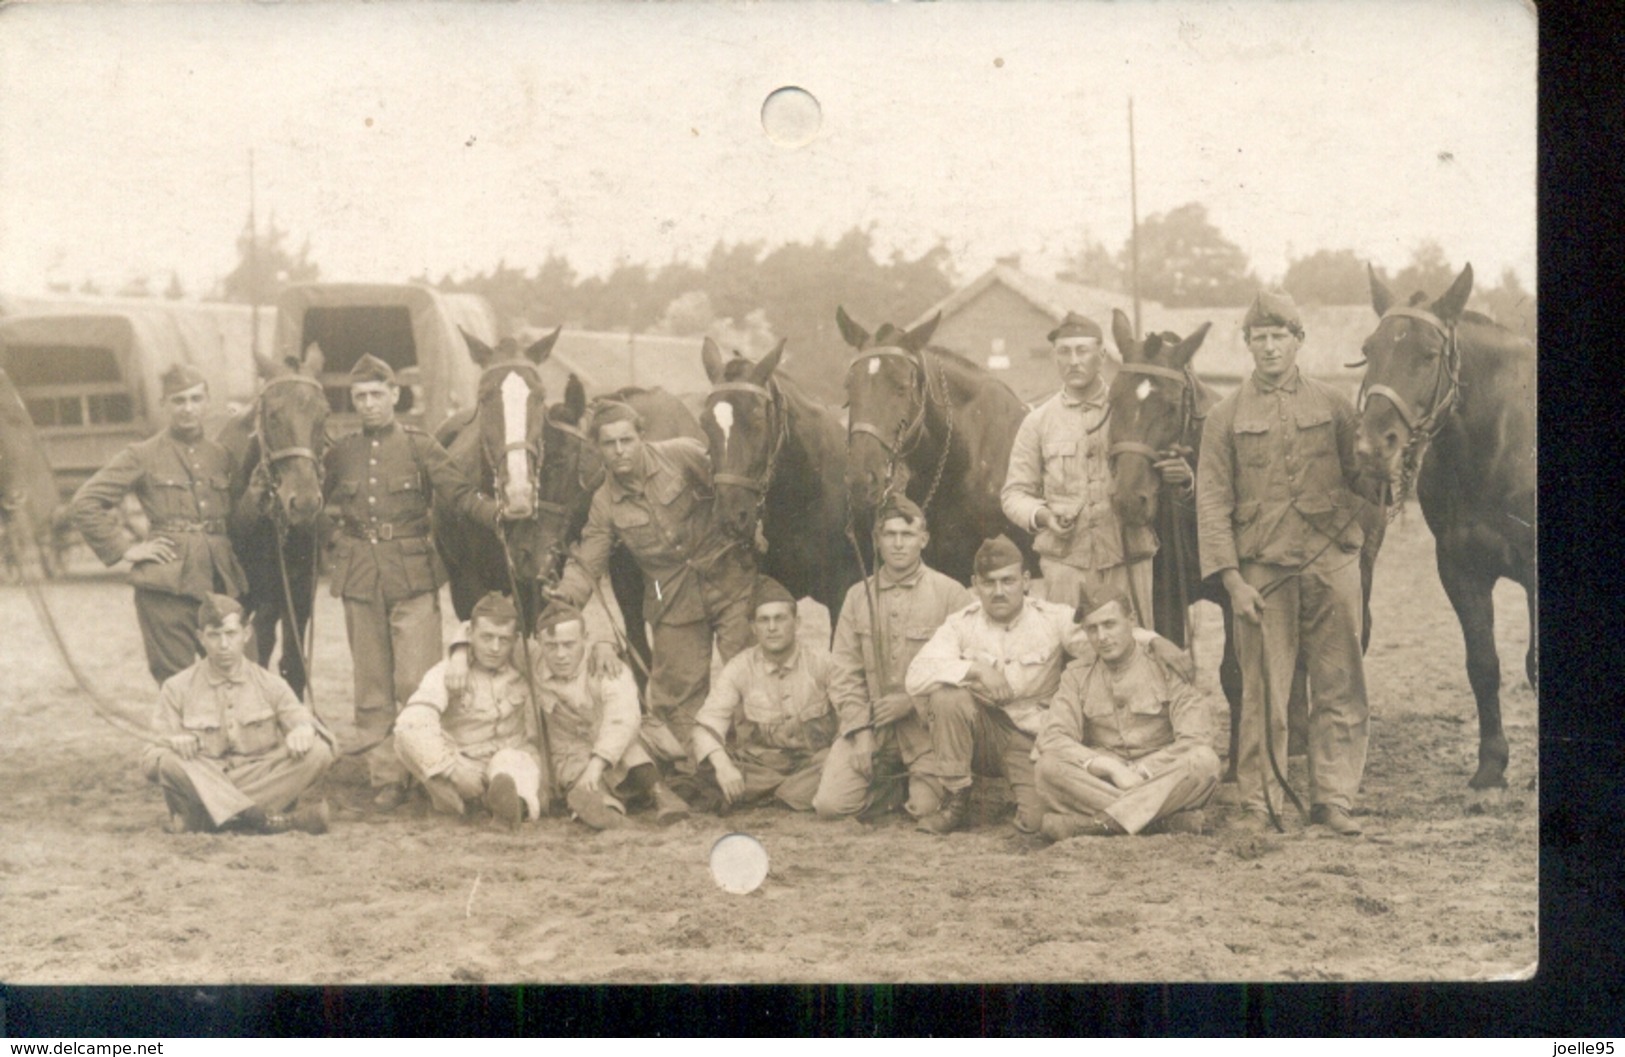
(1442, 887)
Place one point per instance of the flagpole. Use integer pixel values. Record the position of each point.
(1134, 221)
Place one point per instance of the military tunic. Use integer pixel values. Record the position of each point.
(380, 484)
(470, 738)
(184, 487)
(587, 716)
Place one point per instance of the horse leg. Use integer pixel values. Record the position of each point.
(1471, 596)
(1230, 683)
(1297, 711)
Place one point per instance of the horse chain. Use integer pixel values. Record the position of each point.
(948, 440)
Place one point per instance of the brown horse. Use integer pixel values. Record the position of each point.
(1448, 401)
(778, 460)
(276, 497)
(28, 494)
(500, 447)
(937, 427)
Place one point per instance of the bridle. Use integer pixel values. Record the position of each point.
(270, 457)
(912, 431)
(778, 427)
(1424, 427)
(1189, 415)
(497, 458)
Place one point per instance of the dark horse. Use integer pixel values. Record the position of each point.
(1158, 407)
(937, 427)
(28, 495)
(1459, 389)
(276, 496)
(500, 447)
(778, 459)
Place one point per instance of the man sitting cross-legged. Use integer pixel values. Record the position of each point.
(479, 742)
(1127, 742)
(237, 747)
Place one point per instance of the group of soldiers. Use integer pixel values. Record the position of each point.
(1093, 720)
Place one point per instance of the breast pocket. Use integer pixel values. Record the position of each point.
(406, 497)
(201, 719)
(1317, 435)
(171, 497)
(1060, 465)
(635, 527)
(1253, 443)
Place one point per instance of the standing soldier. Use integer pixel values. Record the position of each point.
(380, 482)
(1060, 481)
(883, 737)
(657, 501)
(1276, 520)
(182, 480)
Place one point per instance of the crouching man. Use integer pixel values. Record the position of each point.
(478, 743)
(1127, 744)
(595, 729)
(237, 747)
(775, 698)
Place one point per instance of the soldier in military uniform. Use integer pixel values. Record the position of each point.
(657, 501)
(380, 483)
(182, 480)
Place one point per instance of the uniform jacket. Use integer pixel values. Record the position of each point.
(770, 706)
(911, 610)
(1149, 707)
(379, 488)
(586, 716)
(1275, 476)
(241, 716)
(669, 527)
(184, 490)
(494, 712)
(1057, 461)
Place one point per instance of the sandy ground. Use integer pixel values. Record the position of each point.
(1442, 887)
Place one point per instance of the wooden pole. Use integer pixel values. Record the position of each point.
(1134, 222)
(253, 265)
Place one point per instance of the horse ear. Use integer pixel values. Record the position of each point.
(1450, 306)
(1382, 298)
(855, 335)
(1123, 334)
(711, 358)
(1186, 349)
(767, 364)
(478, 351)
(920, 336)
(539, 350)
(575, 398)
(315, 360)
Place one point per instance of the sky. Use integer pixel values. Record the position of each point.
(409, 137)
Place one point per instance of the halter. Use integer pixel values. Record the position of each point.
(585, 480)
(496, 458)
(1188, 415)
(778, 427)
(276, 455)
(912, 433)
(1446, 383)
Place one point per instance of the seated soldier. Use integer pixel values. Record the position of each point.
(594, 728)
(238, 748)
(775, 698)
(1127, 743)
(479, 742)
(989, 673)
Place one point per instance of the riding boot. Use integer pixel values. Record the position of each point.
(644, 782)
(950, 816)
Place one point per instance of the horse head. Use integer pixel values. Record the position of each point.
(571, 472)
(1412, 365)
(744, 424)
(1152, 407)
(290, 423)
(510, 413)
(888, 398)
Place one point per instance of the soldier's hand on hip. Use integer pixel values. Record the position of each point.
(456, 671)
(158, 549)
(301, 738)
(729, 780)
(183, 745)
(604, 661)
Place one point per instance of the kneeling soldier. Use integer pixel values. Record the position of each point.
(775, 696)
(239, 747)
(1128, 741)
(594, 728)
(480, 742)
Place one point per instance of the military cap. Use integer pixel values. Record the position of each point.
(557, 613)
(1098, 597)
(216, 608)
(900, 505)
(767, 589)
(996, 553)
(1273, 308)
(607, 411)
(496, 608)
(370, 368)
(181, 377)
(1076, 326)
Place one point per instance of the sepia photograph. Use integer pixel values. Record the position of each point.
(730, 492)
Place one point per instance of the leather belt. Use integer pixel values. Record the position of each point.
(211, 526)
(385, 531)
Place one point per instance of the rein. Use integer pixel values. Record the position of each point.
(1446, 391)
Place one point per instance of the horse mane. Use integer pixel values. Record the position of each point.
(978, 375)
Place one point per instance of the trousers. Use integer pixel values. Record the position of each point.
(1178, 782)
(1316, 612)
(790, 777)
(902, 773)
(1062, 583)
(392, 645)
(680, 673)
(211, 792)
(968, 737)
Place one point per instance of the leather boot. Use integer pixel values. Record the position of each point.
(1059, 826)
(950, 816)
(503, 800)
(312, 819)
(590, 808)
(669, 807)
